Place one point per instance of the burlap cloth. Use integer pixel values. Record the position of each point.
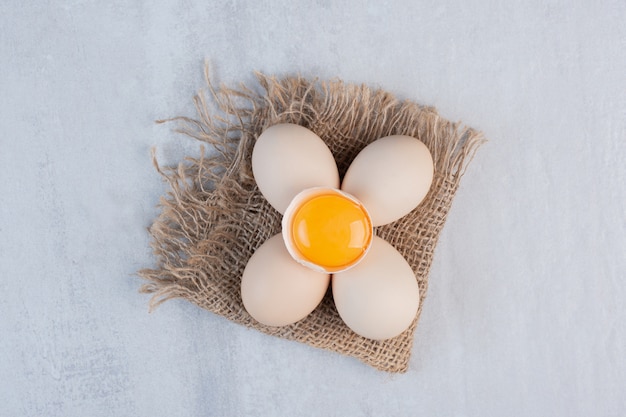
(213, 217)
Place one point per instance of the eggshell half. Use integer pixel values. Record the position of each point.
(287, 225)
(390, 176)
(276, 290)
(287, 159)
(379, 297)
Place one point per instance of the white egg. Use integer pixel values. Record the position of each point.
(379, 297)
(390, 176)
(287, 159)
(278, 291)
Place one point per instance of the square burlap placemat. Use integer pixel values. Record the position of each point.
(213, 217)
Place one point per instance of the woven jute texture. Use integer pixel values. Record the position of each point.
(213, 217)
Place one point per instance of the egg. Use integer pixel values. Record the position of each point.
(287, 159)
(390, 176)
(327, 230)
(379, 297)
(275, 290)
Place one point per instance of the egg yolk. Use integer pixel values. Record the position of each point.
(331, 230)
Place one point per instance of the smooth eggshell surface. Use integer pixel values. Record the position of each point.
(390, 176)
(276, 290)
(379, 297)
(287, 159)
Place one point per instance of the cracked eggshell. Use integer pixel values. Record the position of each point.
(287, 228)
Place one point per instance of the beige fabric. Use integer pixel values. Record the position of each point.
(213, 218)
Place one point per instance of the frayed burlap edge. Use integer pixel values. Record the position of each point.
(213, 217)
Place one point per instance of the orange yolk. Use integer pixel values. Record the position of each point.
(331, 230)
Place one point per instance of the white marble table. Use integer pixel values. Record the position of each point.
(525, 314)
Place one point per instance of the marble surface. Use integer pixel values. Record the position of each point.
(525, 313)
